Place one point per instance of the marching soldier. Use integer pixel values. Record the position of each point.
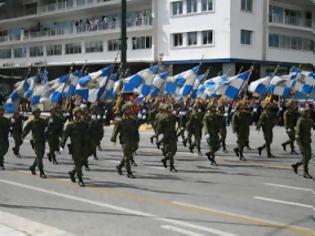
(290, 117)
(267, 121)
(127, 128)
(167, 125)
(17, 121)
(240, 123)
(212, 127)
(38, 127)
(222, 122)
(54, 132)
(76, 130)
(304, 140)
(4, 136)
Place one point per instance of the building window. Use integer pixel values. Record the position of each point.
(274, 41)
(19, 52)
(192, 38)
(246, 37)
(144, 42)
(177, 40)
(293, 17)
(247, 5)
(73, 48)
(276, 14)
(207, 37)
(207, 5)
(36, 51)
(96, 46)
(113, 45)
(5, 53)
(308, 19)
(191, 6)
(177, 8)
(54, 50)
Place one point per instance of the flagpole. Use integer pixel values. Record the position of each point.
(245, 83)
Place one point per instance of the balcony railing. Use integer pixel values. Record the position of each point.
(291, 20)
(59, 6)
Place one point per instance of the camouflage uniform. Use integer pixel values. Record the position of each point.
(304, 141)
(290, 118)
(222, 125)
(16, 132)
(4, 136)
(77, 131)
(38, 126)
(194, 128)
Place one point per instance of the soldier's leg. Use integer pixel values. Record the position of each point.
(292, 139)
(78, 164)
(128, 152)
(3, 150)
(40, 152)
(198, 142)
(223, 138)
(17, 144)
(299, 163)
(307, 155)
(171, 151)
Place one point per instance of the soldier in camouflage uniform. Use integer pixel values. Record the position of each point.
(304, 141)
(127, 127)
(54, 132)
(194, 127)
(267, 121)
(38, 127)
(222, 116)
(290, 117)
(4, 136)
(240, 126)
(167, 125)
(212, 128)
(16, 132)
(152, 118)
(77, 131)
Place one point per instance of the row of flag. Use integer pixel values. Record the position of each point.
(104, 84)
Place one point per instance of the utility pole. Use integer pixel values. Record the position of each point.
(123, 55)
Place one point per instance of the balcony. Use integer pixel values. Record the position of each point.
(135, 21)
(53, 8)
(291, 21)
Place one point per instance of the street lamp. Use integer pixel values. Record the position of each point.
(123, 55)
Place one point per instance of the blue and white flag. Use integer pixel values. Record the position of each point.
(92, 87)
(40, 79)
(14, 99)
(212, 85)
(174, 84)
(144, 77)
(109, 90)
(281, 85)
(196, 85)
(260, 86)
(158, 83)
(190, 79)
(305, 82)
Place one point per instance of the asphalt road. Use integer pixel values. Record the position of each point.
(258, 197)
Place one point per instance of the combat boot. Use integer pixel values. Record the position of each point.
(185, 142)
(293, 152)
(87, 168)
(81, 183)
(72, 176)
(295, 167)
(236, 150)
(307, 174)
(242, 158)
(16, 153)
(49, 157)
(284, 146)
(152, 139)
(32, 169)
(130, 175)
(133, 163)
(164, 162)
(172, 168)
(2, 166)
(95, 157)
(259, 150)
(270, 155)
(42, 175)
(191, 149)
(119, 170)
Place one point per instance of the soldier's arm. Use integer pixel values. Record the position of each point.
(65, 135)
(26, 129)
(285, 119)
(115, 132)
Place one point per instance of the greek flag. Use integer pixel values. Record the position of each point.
(14, 99)
(109, 91)
(260, 86)
(232, 87)
(212, 85)
(40, 79)
(190, 79)
(197, 83)
(305, 82)
(158, 83)
(281, 85)
(92, 87)
(63, 86)
(174, 84)
(143, 77)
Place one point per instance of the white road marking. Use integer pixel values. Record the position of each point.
(118, 208)
(283, 202)
(290, 187)
(27, 227)
(179, 230)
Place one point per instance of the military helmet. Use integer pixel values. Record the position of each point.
(76, 110)
(211, 106)
(127, 107)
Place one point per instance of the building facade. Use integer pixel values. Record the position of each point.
(225, 34)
